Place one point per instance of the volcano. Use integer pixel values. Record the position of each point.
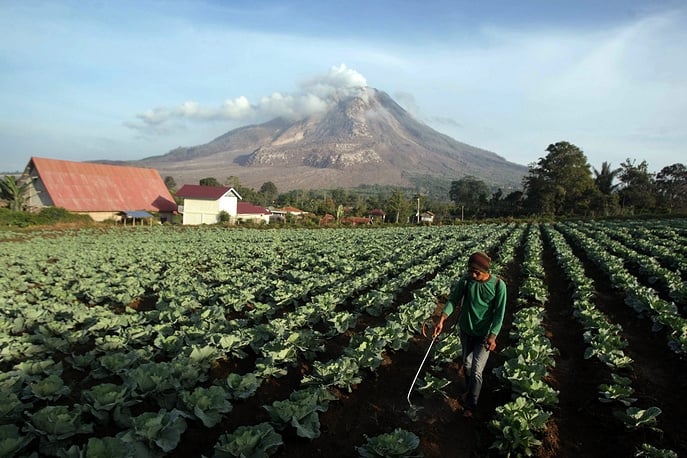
(364, 138)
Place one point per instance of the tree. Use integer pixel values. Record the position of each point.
(637, 190)
(671, 187)
(470, 193)
(233, 182)
(210, 181)
(360, 207)
(171, 184)
(398, 204)
(561, 182)
(512, 203)
(605, 178)
(605, 181)
(268, 191)
(14, 191)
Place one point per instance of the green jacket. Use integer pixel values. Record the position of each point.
(483, 308)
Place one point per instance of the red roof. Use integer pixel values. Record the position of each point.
(247, 208)
(83, 186)
(196, 191)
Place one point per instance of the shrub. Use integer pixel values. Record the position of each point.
(47, 216)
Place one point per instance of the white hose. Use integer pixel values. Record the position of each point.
(420, 369)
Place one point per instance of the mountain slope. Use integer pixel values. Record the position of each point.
(364, 139)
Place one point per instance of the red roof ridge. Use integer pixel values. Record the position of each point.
(196, 191)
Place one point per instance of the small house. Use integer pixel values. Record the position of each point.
(280, 214)
(378, 214)
(204, 204)
(427, 217)
(246, 211)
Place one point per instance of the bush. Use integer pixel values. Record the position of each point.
(224, 216)
(47, 216)
(14, 218)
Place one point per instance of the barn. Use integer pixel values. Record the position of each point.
(102, 191)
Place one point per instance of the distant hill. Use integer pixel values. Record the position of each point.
(363, 139)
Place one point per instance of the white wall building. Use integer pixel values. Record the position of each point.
(203, 204)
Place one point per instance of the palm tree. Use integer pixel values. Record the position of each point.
(604, 179)
(13, 191)
(609, 201)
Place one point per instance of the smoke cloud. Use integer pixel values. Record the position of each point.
(314, 96)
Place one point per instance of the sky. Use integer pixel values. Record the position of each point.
(128, 79)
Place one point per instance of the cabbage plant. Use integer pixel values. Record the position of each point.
(634, 417)
(11, 407)
(57, 422)
(110, 447)
(433, 384)
(11, 441)
(399, 443)
(157, 431)
(50, 388)
(517, 425)
(258, 441)
(54, 425)
(301, 411)
(106, 398)
(206, 404)
(242, 386)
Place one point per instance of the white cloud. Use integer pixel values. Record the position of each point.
(340, 81)
(315, 96)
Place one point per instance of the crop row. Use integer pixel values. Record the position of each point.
(114, 340)
(645, 300)
(604, 341)
(67, 342)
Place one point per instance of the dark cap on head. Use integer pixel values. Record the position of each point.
(479, 261)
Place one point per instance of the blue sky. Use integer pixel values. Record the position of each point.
(83, 80)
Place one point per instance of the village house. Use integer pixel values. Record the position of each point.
(377, 214)
(102, 191)
(247, 212)
(280, 214)
(427, 217)
(203, 204)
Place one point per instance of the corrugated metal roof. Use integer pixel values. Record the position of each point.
(195, 191)
(82, 186)
(247, 208)
(138, 214)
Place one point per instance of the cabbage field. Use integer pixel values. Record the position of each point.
(208, 341)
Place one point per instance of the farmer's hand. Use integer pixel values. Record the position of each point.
(439, 326)
(490, 342)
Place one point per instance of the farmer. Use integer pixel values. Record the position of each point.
(480, 298)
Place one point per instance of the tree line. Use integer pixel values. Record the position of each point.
(562, 183)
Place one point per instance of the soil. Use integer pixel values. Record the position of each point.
(579, 426)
